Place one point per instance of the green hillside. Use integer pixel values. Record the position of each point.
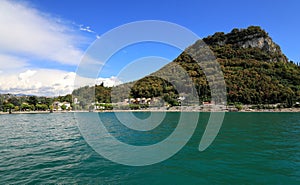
(255, 71)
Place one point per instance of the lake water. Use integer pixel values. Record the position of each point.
(251, 148)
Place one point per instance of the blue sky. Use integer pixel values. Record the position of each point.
(48, 37)
(279, 18)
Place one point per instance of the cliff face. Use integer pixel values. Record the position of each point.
(262, 43)
(247, 39)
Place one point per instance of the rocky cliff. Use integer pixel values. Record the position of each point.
(248, 39)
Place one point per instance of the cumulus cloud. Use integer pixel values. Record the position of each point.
(47, 82)
(30, 33)
(26, 75)
(38, 82)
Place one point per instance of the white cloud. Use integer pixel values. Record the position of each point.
(39, 82)
(26, 75)
(47, 82)
(86, 28)
(109, 82)
(28, 36)
(8, 62)
(28, 32)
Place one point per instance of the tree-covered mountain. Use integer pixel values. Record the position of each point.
(254, 67)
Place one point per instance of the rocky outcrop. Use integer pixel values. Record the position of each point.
(252, 37)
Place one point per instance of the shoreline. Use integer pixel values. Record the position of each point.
(157, 110)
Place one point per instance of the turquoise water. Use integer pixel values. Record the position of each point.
(251, 148)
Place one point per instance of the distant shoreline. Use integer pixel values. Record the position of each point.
(157, 110)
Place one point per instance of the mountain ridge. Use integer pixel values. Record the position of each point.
(255, 71)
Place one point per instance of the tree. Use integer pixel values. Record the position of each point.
(51, 108)
(238, 106)
(63, 107)
(1, 103)
(46, 101)
(25, 107)
(91, 108)
(42, 107)
(9, 106)
(17, 108)
(14, 101)
(33, 100)
(67, 98)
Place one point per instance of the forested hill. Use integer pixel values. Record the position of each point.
(254, 67)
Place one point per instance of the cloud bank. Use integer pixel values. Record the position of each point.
(29, 37)
(46, 82)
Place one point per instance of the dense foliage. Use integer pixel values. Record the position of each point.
(9, 102)
(235, 36)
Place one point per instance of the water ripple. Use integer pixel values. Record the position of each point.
(251, 148)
